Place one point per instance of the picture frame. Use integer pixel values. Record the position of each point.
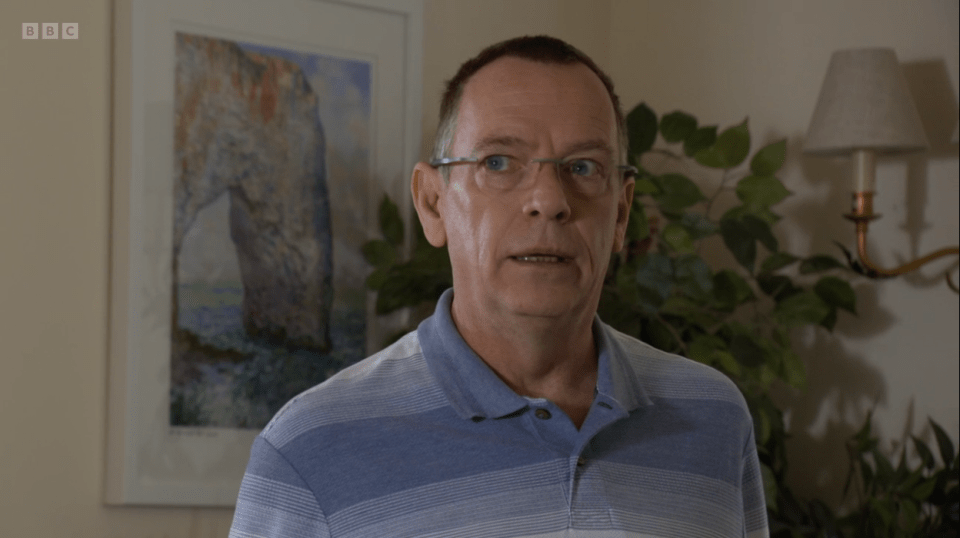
(150, 458)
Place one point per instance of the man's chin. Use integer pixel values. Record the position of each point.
(544, 301)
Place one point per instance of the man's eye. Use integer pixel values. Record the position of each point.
(584, 167)
(497, 163)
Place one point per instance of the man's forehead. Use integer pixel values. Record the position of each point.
(510, 96)
(518, 76)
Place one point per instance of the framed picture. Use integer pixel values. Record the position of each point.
(253, 141)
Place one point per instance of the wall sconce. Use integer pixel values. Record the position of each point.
(865, 110)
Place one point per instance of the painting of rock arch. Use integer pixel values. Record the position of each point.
(271, 160)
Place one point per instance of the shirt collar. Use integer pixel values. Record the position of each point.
(475, 391)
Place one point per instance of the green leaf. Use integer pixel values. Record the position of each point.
(379, 253)
(864, 436)
(762, 213)
(728, 363)
(761, 191)
(885, 470)
(395, 292)
(769, 486)
(391, 225)
(412, 283)
(923, 490)
(689, 310)
(781, 337)
(693, 275)
(902, 477)
(762, 426)
(677, 237)
(830, 320)
(704, 347)
(866, 471)
(769, 159)
(730, 289)
(677, 126)
(638, 227)
(819, 263)
(698, 225)
(659, 336)
(802, 308)
(777, 286)
(777, 260)
(909, 514)
(620, 311)
(745, 348)
(794, 372)
(740, 241)
(655, 272)
(944, 443)
(837, 292)
(924, 451)
(644, 185)
(677, 192)
(625, 287)
(377, 278)
(729, 150)
(760, 231)
(641, 129)
(648, 300)
(700, 140)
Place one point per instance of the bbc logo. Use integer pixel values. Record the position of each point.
(51, 30)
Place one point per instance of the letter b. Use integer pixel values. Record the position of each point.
(31, 30)
(51, 30)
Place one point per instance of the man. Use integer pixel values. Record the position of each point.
(513, 410)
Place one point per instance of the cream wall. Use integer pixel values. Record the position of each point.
(720, 61)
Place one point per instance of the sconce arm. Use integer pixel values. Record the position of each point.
(862, 215)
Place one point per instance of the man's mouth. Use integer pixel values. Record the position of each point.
(540, 258)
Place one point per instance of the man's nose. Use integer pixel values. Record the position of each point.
(547, 196)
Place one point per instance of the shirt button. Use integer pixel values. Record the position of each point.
(581, 461)
(542, 414)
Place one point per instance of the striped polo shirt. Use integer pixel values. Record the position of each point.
(423, 439)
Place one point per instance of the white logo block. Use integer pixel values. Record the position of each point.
(50, 30)
(31, 30)
(70, 30)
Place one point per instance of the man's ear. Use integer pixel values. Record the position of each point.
(426, 185)
(624, 203)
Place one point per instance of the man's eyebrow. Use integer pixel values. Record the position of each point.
(506, 141)
(589, 145)
(500, 141)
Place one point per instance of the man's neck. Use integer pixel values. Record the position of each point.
(538, 357)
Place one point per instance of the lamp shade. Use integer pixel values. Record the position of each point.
(864, 103)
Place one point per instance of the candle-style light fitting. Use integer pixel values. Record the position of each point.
(865, 110)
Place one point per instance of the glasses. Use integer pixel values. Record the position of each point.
(503, 173)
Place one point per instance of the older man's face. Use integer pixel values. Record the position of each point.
(541, 250)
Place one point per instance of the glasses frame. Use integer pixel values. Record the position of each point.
(624, 169)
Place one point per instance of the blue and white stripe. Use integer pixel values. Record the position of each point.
(423, 439)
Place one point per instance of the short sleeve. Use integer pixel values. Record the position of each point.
(274, 501)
